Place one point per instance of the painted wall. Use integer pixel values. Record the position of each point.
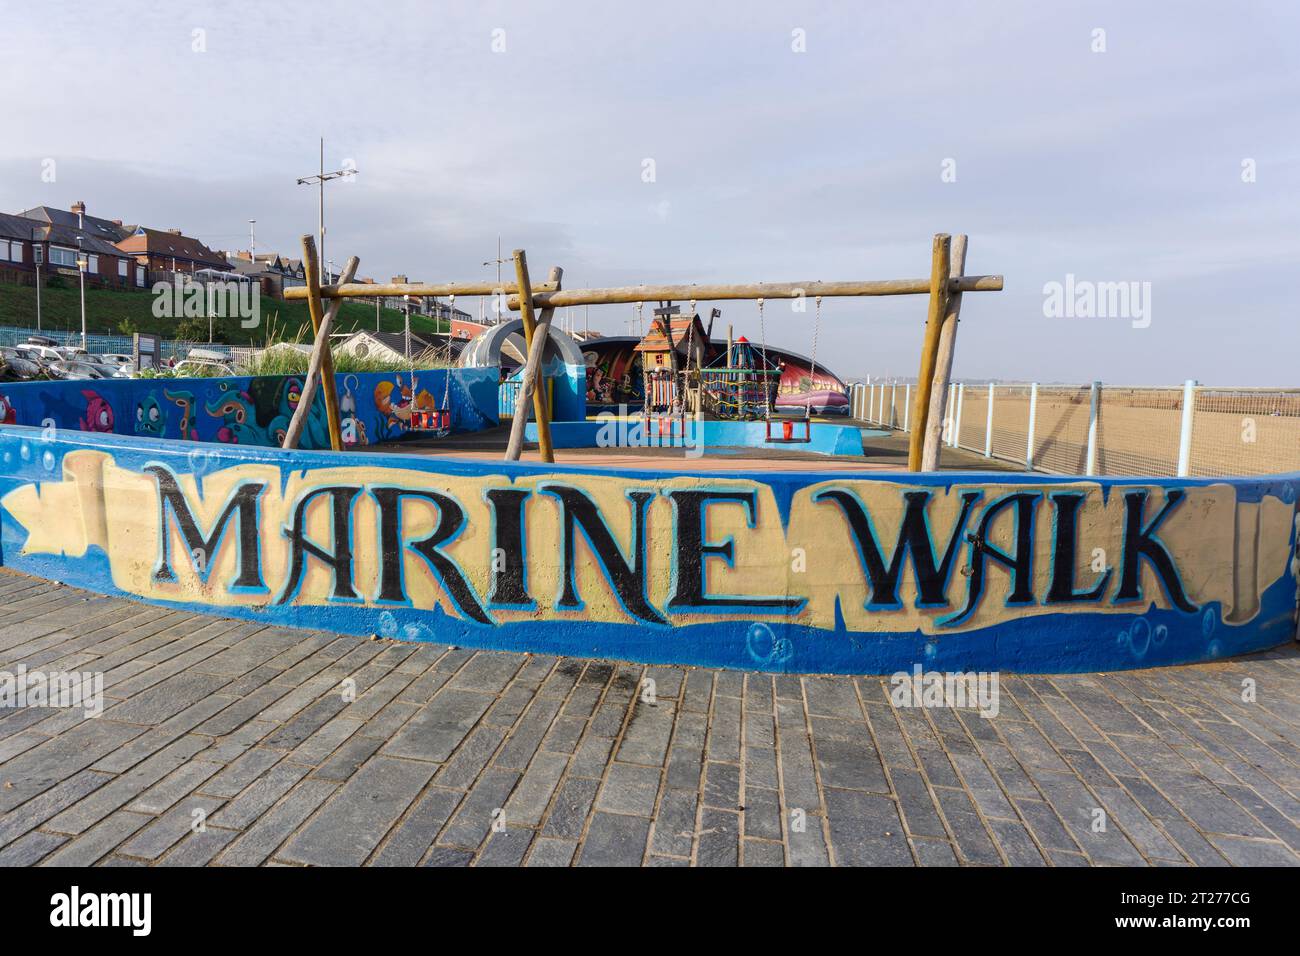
(247, 411)
(793, 571)
(567, 383)
(607, 431)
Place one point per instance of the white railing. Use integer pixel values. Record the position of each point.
(1096, 429)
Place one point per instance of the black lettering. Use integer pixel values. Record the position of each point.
(913, 539)
(243, 503)
(451, 517)
(1140, 542)
(1062, 589)
(627, 577)
(693, 551)
(1020, 566)
(339, 559)
(510, 580)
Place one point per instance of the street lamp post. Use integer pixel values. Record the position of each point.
(319, 180)
(496, 308)
(81, 270)
(38, 258)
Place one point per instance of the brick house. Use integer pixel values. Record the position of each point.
(62, 237)
(272, 271)
(169, 250)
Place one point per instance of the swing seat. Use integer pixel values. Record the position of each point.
(662, 426)
(787, 431)
(436, 421)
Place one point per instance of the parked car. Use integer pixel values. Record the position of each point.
(15, 368)
(114, 358)
(42, 355)
(72, 353)
(72, 369)
(204, 363)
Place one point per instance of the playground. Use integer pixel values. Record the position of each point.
(683, 498)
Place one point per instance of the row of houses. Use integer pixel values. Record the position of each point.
(47, 241)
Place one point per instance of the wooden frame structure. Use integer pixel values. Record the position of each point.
(537, 303)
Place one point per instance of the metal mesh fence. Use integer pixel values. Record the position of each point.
(1138, 430)
(97, 343)
(1061, 429)
(1010, 421)
(972, 416)
(1244, 431)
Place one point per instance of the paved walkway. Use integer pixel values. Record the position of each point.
(444, 756)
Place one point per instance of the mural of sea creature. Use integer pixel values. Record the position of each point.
(393, 399)
(8, 414)
(287, 398)
(237, 413)
(149, 418)
(185, 402)
(99, 414)
(395, 404)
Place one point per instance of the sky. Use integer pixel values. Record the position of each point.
(1153, 144)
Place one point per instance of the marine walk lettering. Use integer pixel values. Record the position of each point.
(906, 555)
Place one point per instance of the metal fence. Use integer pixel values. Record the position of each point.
(97, 343)
(1096, 429)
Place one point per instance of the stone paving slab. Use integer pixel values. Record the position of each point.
(230, 744)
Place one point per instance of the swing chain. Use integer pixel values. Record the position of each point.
(817, 327)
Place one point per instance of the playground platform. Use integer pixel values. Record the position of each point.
(881, 453)
(574, 765)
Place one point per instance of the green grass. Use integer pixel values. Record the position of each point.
(106, 309)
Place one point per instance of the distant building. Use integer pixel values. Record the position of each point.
(391, 346)
(109, 230)
(169, 250)
(62, 239)
(273, 271)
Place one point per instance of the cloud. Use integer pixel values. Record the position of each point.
(770, 164)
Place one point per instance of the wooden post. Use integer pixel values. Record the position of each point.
(303, 411)
(312, 274)
(528, 390)
(540, 412)
(940, 261)
(943, 365)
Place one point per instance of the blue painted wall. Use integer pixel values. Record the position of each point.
(747, 570)
(246, 410)
(824, 438)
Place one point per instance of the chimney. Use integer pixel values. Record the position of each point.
(79, 207)
(117, 222)
(174, 232)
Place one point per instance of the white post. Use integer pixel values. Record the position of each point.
(1185, 436)
(907, 405)
(988, 427)
(1094, 404)
(1033, 413)
(956, 428)
(950, 422)
(893, 402)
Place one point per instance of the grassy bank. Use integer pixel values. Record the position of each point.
(108, 309)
